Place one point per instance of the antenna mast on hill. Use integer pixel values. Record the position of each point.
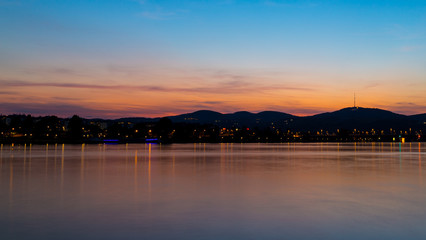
(354, 101)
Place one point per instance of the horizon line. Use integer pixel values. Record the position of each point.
(223, 113)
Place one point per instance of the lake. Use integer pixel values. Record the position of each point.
(213, 191)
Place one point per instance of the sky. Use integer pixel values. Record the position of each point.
(122, 58)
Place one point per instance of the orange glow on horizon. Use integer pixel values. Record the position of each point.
(128, 99)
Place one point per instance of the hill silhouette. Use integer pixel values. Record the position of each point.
(347, 118)
(242, 119)
(356, 118)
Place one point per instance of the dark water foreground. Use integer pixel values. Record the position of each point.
(213, 191)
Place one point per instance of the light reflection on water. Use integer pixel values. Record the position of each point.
(213, 191)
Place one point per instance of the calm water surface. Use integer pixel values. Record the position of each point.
(213, 191)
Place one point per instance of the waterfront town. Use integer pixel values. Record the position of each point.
(52, 129)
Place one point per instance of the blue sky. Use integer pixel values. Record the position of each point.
(375, 48)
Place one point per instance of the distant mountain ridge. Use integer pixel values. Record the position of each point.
(242, 118)
(346, 118)
(356, 118)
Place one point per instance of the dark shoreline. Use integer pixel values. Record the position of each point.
(345, 125)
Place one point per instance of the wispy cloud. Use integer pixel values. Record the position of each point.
(157, 15)
(302, 4)
(10, 3)
(410, 48)
(58, 109)
(403, 32)
(69, 109)
(140, 1)
(58, 71)
(154, 11)
(396, 31)
(7, 92)
(408, 108)
(371, 84)
(226, 87)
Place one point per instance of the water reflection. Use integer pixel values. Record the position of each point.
(62, 165)
(82, 157)
(11, 178)
(46, 159)
(149, 169)
(136, 171)
(420, 165)
(213, 191)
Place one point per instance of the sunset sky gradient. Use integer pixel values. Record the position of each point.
(119, 58)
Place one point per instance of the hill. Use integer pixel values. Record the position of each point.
(347, 118)
(356, 118)
(237, 119)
